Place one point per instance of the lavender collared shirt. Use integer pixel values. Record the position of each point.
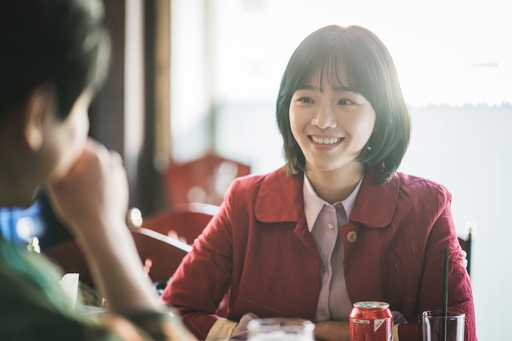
(323, 220)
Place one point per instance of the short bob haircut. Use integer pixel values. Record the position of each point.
(352, 58)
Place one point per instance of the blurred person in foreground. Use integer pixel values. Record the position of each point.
(338, 224)
(53, 57)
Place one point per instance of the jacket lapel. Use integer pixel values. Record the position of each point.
(376, 203)
(280, 199)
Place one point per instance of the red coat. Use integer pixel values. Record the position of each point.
(258, 247)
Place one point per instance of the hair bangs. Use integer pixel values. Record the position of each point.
(335, 73)
(323, 66)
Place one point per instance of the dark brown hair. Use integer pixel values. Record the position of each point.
(355, 55)
(60, 42)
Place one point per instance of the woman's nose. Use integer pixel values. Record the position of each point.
(324, 117)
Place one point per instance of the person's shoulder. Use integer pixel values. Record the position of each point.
(276, 185)
(418, 181)
(256, 180)
(418, 184)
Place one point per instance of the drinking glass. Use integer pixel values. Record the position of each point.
(435, 326)
(282, 329)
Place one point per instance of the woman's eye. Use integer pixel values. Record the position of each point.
(345, 102)
(305, 100)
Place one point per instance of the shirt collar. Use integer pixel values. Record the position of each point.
(313, 204)
(281, 199)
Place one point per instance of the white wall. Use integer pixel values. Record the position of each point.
(469, 150)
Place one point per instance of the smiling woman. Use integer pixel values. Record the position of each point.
(454, 65)
(338, 211)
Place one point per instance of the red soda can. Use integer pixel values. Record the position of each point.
(371, 321)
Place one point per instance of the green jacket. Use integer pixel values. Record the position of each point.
(34, 307)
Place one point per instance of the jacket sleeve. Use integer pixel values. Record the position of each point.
(460, 297)
(204, 276)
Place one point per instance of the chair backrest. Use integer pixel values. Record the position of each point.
(203, 180)
(466, 243)
(160, 254)
(184, 222)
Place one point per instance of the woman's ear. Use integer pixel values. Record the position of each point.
(38, 108)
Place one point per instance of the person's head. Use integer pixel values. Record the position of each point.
(354, 59)
(54, 55)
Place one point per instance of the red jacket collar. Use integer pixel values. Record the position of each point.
(280, 199)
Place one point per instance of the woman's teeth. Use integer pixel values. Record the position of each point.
(320, 140)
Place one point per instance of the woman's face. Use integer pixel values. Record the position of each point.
(331, 126)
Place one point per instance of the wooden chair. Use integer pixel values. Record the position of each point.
(184, 222)
(204, 180)
(161, 255)
(466, 243)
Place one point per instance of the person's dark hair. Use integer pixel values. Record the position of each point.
(60, 42)
(356, 56)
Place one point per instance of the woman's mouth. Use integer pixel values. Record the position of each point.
(326, 141)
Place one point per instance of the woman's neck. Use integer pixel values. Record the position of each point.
(335, 185)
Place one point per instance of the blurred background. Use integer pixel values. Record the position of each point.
(192, 77)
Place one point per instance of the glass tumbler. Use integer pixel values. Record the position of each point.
(282, 329)
(436, 326)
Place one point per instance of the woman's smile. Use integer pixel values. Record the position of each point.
(326, 140)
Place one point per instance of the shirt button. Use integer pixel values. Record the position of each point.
(331, 225)
(322, 312)
(324, 269)
(352, 236)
